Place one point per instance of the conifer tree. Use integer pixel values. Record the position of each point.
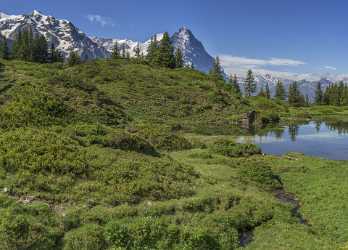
(268, 92)
(39, 50)
(166, 52)
(124, 52)
(17, 47)
(179, 60)
(295, 97)
(137, 51)
(280, 91)
(4, 50)
(319, 94)
(250, 85)
(217, 72)
(153, 52)
(235, 86)
(74, 59)
(336, 94)
(115, 51)
(55, 55)
(27, 45)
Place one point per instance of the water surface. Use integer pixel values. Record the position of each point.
(322, 139)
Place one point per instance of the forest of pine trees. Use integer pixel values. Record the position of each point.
(336, 94)
(295, 98)
(30, 47)
(162, 53)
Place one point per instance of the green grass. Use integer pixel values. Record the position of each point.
(120, 155)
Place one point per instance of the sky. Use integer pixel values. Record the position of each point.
(289, 38)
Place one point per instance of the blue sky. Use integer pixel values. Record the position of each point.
(308, 36)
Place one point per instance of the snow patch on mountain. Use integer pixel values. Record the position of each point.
(62, 33)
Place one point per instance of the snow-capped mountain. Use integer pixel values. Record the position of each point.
(193, 50)
(128, 45)
(68, 38)
(62, 33)
(306, 87)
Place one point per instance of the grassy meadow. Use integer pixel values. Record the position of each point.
(115, 154)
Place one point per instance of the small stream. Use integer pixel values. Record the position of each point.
(287, 198)
(291, 199)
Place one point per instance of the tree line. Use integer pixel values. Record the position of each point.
(335, 94)
(293, 95)
(159, 53)
(28, 46)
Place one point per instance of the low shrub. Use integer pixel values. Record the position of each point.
(231, 149)
(28, 228)
(269, 118)
(88, 237)
(260, 173)
(173, 143)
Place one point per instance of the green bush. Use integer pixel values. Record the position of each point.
(173, 143)
(269, 118)
(199, 238)
(231, 149)
(113, 138)
(28, 228)
(87, 237)
(260, 173)
(42, 152)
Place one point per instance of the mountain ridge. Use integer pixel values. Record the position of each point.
(68, 38)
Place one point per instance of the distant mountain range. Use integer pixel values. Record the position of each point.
(68, 38)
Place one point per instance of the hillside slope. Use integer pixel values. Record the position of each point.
(113, 154)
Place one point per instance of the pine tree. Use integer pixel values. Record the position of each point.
(4, 50)
(307, 101)
(27, 45)
(267, 92)
(280, 91)
(17, 47)
(179, 59)
(217, 72)
(166, 52)
(124, 52)
(153, 52)
(250, 85)
(235, 86)
(318, 94)
(55, 55)
(39, 50)
(115, 52)
(137, 51)
(74, 59)
(295, 97)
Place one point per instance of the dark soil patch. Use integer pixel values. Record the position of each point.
(291, 199)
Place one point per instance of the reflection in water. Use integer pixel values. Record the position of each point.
(317, 126)
(279, 133)
(325, 139)
(293, 131)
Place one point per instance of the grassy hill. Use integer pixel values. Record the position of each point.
(120, 155)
